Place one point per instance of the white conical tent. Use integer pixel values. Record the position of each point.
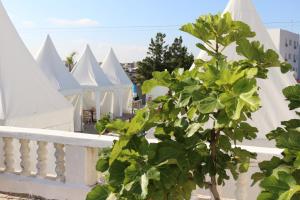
(116, 74)
(94, 82)
(274, 107)
(60, 78)
(27, 99)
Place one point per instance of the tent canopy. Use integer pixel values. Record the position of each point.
(116, 74)
(55, 70)
(88, 73)
(27, 98)
(274, 107)
(114, 71)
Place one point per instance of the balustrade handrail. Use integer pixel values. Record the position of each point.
(59, 137)
(89, 140)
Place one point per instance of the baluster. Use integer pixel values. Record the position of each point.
(25, 157)
(9, 155)
(60, 162)
(42, 159)
(242, 186)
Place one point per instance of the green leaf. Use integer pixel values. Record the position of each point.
(193, 128)
(192, 113)
(102, 165)
(131, 173)
(244, 85)
(292, 93)
(98, 193)
(117, 126)
(149, 85)
(224, 143)
(268, 166)
(274, 185)
(251, 99)
(287, 178)
(153, 174)
(256, 177)
(285, 67)
(117, 149)
(208, 105)
(288, 195)
(267, 196)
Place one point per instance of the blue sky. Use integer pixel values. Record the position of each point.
(125, 25)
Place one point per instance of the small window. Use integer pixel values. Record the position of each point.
(286, 43)
(290, 56)
(295, 60)
(285, 57)
(290, 42)
(295, 45)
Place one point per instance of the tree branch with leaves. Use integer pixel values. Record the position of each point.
(280, 177)
(196, 124)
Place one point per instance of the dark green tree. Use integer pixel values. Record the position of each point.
(161, 56)
(154, 60)
(178, 56)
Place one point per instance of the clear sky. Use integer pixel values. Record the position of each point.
(125, 25)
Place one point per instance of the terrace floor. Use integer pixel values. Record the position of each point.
(19, 197)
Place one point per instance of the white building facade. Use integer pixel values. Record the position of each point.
(287, 44)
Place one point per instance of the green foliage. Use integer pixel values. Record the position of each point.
(196, 124)
(102, 123)
(70, 61)
(163, 57)
(280, 177)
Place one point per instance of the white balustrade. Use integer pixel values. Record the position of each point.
(25, 157)
(9, 155)
(42, 159)
(75, 156)
(60, 162)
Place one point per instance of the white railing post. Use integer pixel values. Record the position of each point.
(84, 173)
(60, 162)
(242, 186)
(25, 157)
(8, 155)
(42, 159)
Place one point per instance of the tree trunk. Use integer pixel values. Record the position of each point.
(213, 149)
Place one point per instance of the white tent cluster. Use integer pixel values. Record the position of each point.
(274, 107)
(27, 99)
(32, 95)
(43, 94)
(107, 94)
(60, 78)
(94, 83)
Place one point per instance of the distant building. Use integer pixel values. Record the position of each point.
(287, 44)
(130, 69)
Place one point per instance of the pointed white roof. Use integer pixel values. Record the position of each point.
(114, 71)
(88, 73)
(27, 99)
(274, 107)
(55, 70)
